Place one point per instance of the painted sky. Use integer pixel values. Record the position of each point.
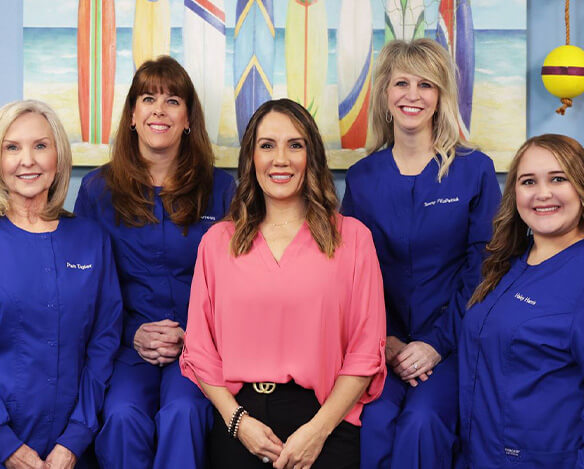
(487, 14)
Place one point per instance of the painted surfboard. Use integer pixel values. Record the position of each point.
(306, 43)
(96, 68)
(404, 19)
(253, 58)
(204, 56)
(151, 33)
(456, 33)
(354, 68)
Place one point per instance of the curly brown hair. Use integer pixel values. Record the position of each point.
(510, 232)
(248, 208)
(186, 192)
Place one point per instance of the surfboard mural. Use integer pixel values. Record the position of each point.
(456, 33)
(204, 56)
(354, 68)
(253, 58)
(96, 66)
(404, 19)
(151, 33)
(306, 44)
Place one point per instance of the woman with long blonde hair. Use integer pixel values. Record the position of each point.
(428, 198)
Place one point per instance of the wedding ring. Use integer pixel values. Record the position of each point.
(266, 460)
(416, 366)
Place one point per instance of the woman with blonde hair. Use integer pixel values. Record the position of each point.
(286, 322)
(522, 342)
(157, 197)
(428, 198)
(60, 302)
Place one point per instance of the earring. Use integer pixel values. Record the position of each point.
(133, 127)
(187, 131)
(388, 119)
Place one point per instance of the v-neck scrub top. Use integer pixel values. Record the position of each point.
(307, 318)
(60, 327)
(522, 368)
(430, 238)
(155, 261)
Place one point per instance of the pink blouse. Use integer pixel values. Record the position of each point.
(307, 318)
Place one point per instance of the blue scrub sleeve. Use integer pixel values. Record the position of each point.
(101, 349)
(9, 442)
(577, 347)
(443, 336)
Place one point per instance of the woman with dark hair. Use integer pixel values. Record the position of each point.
(156, 198)
(428, 199)
(286, 320)
(522, 343)
(60, 301)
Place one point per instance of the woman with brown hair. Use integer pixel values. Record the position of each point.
(286, 319)
(522, 343)
(156, 198)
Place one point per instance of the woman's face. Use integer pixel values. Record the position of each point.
(280, 158)
(29, 158)
(412, 101)
(546, 200)
(160, 119)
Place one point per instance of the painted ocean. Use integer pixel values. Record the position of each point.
(50, 55)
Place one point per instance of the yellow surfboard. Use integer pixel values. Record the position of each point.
(151, 34)
(306, 52)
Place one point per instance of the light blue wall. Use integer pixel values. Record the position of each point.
(545, 31)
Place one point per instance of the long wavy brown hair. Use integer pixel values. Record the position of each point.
(510, 232)
(186, 191)
(248, 208)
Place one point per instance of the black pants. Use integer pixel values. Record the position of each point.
(286, 409)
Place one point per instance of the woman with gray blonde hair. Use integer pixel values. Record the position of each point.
(428, 198)
(60, 302)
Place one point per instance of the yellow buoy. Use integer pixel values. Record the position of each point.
(563, 72)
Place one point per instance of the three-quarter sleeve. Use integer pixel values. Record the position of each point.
(365, 319)
(200, 358)
(99, 356)
(444, 334)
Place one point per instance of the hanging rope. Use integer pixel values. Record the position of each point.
(566, 102)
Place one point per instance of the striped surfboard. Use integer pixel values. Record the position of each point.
(253, 58)
(354, 68)
(204, 56)
(456, 33)
(306, 45)
(404, 19)
(151, 33)
(96, 66)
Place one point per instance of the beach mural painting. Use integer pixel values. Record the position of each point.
(241, 53)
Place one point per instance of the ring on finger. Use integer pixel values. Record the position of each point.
(416, 366)
(266, 460)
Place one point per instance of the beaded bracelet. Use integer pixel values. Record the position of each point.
(235, 417)
(237, 422)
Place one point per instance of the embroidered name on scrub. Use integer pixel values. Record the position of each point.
(527, 300)
(512, 452)
(442, 201)
(79, 266)
(208, 217)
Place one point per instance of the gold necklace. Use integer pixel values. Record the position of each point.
(275, 225)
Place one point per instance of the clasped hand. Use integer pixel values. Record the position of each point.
(412, 361)
(159, 343)
(27, 458)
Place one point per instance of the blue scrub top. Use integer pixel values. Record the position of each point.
(156, 261)
(60, 327)
(522, 368)
(429, 236)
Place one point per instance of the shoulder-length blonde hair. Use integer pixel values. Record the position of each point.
(248, 207)
(58, 190)
(510, 232)
(187, 191)
(430, 61)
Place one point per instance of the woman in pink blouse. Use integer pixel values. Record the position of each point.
(286, 326)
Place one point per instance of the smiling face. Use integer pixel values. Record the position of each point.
(546, 200)
(412, 101)
(160, 119)
(29, 159)
(280, 159)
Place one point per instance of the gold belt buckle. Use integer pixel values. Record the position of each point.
(264, 388)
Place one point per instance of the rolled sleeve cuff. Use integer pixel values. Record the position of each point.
(211, 373)
(9, 442)
(76, 438)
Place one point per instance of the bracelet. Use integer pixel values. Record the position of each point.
(234, 421)
(236, 428)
